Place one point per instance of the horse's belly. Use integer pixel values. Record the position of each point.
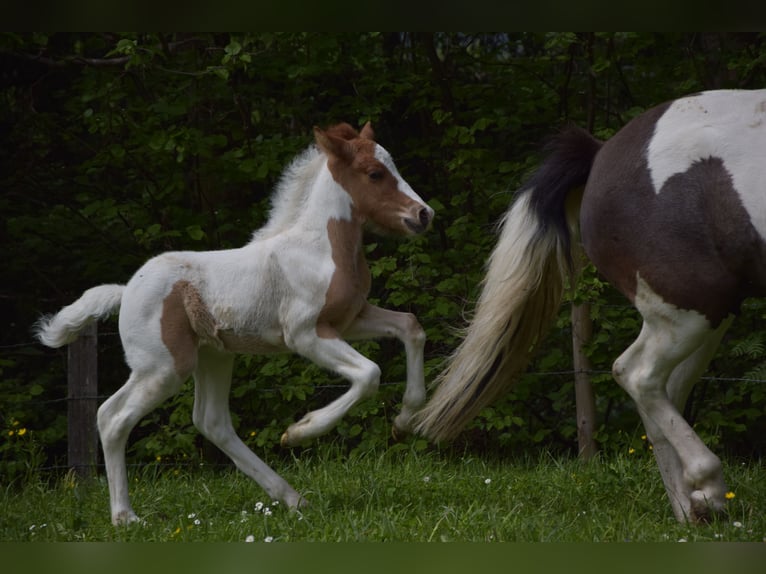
(250, 344)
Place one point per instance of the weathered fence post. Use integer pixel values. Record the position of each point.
(582, 328)
(82, 381)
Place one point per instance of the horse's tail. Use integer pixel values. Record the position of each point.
(521, 291)
(65, 326)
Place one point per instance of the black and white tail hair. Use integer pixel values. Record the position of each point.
(521, 291)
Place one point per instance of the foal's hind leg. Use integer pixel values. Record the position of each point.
(376, 322)
(211, 416)
(116, 418)
(669, 337)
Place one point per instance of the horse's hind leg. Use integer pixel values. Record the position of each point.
(211, 416)
(657, 371)
(680, 384)
(116, 418)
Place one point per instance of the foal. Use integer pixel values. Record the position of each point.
(299, 286)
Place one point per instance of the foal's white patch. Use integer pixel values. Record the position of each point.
(382, 155)
(725, 124)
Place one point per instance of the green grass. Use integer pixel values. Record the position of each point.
(394, 495)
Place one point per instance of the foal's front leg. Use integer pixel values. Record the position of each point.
(338, 356)
(375, 322)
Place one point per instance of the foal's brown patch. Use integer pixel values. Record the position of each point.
(177, 333)
(350, 283)
(185, 321)
(693, 242)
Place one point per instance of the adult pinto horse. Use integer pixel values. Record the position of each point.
(299, 286)
(673, 213)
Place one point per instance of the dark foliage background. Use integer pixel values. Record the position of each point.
(118, 146)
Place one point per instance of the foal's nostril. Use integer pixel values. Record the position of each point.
(424, 217)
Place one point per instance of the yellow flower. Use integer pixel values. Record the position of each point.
(22, 431)
(730, 495)
(10, 433)
(159, 458)
(631, 450)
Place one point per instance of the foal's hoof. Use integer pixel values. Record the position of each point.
(292, 437)
(296, 502)
(398, 433)
(125, 518)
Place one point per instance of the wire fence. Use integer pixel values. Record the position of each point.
(81, 406)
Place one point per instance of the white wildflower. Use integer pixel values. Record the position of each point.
(736, 524)
(258, 506)
(250, 538)
(487, 480)
(269, 539)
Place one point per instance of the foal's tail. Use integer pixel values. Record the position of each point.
(521, 291)
(65, 326)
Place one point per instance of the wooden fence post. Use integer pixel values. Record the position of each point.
(82, 381)
(582, 328)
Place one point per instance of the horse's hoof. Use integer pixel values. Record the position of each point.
(703, 508)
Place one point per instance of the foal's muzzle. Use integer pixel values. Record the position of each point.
(424, 217)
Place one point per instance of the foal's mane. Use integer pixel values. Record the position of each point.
(295, 183)
(291, 192)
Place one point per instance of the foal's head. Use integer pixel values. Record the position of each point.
(368, 174)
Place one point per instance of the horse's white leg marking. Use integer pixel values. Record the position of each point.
(376, 322)
(116, 418)
(681, 381)
(340, 357)
(212, 381)
(668, 338)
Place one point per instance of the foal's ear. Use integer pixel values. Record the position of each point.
(333, 145)
(367, 132)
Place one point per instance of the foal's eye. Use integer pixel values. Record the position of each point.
(376, 175)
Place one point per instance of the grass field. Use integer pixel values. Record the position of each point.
(393, 495)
